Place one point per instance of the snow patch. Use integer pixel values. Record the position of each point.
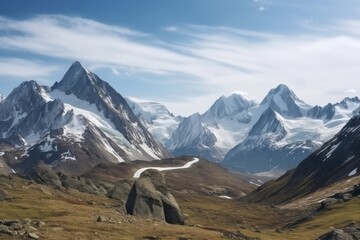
(332, 149)
(271, 174)
(111, 150)
(149, 151)
(2, 154)
(47, 145)
(256, 184)
(353, 172)
(75, 129)
(67, 156)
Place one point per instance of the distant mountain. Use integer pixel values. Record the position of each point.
(284, 101)
(193, 137)
(215, 132)
(287, 132)
(78, 123)
(158, 120)
(230, 107)
(2, 97)
(338, 159)
(275, 135)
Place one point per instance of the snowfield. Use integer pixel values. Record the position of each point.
(187, 165)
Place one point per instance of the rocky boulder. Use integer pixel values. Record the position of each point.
(351, 232)
(150, 197)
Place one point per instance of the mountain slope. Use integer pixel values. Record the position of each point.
(78, 123)
(336, 160)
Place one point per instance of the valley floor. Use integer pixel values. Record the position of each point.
(69, 214)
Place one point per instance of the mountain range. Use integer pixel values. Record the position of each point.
(82, 121)
(241, 134)
(76, 124)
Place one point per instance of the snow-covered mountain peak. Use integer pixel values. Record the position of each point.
(26, 95)
(77, 77)
(348, 103)
(243, 95)
(89, 123)
(229, 106)
(282, 91)
(149, 110)
(284, 101)
(158, 120)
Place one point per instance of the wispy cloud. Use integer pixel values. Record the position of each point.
(221, 58)
(351, 91)
(15, 67)
(171, 29)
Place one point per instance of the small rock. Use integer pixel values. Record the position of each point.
(40, 224)
(347, 196)
(328, 202)
(5, 229)
(33, 235)
(31, 228)
(102, 219)
(27, 220)
(17, 226)
(356, 190)
(8, 222)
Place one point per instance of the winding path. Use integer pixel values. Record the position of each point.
(187, 165)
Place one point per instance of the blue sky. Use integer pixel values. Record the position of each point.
(186, 53)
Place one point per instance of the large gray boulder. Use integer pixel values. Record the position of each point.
(150, 197)
(351, 232)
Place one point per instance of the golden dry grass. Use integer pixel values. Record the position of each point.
(72, 215)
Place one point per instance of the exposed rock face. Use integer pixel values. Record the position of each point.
(351, 232)
(150, 197)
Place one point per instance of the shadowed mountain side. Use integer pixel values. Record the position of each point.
(336, 160)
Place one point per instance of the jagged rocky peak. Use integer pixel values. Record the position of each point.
(268, 123)
(189, 129)
(76, 76)
(347, 102)
(25, 96)
(284, 101)
(231, 105)
(327, 112)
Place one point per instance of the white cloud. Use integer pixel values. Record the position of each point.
(115, 72)
(351, 91)
(171, 29)
(261, 9)
(221, 58)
